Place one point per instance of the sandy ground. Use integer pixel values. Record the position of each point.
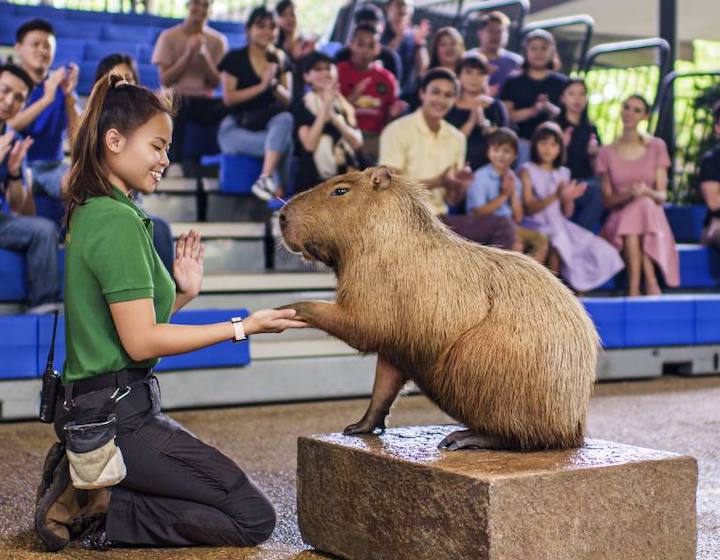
(672, 413)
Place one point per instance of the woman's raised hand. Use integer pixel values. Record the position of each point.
(188, 264)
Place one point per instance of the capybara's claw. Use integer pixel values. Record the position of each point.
(467, 439)
(364, 428)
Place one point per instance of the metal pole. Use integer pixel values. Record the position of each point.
(668, 31)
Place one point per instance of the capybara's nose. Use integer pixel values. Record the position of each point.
(283, 220)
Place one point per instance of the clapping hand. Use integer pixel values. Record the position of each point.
(422, 32)
(52, 83)
(6, 143)
(70, 79)
(639, 189)
(188, 264)
(571, 190)
(17, 155)
(567, 135)
(195, 43)
(508, 184)
(398, 108)
(458, 179)
(593, 146)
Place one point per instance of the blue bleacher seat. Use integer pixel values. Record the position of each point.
(225, 354)
(699, 266)
(86, 78)
(69, 50)
(660, 321)
(18, 346)
(228, 26)
(8, 27)
(69, 29)
(236, 40)
(143, 53)
(686, 222)
(200, 140)
(13, 280)
(707, 326)
(608, 314)
(115, 32)
(149, 76)
(97, 50)
(330, 48)
(238, 172)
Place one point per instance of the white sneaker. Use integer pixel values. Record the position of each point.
(44, 308)
(264, 188)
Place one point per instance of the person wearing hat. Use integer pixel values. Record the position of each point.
(533, 97)
(327, 132)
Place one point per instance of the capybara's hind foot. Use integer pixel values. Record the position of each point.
(467, 439)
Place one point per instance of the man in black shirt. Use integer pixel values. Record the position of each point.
(710, 185)
(372, 15)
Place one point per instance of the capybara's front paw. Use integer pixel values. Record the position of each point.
(365, 426)
(301, 311)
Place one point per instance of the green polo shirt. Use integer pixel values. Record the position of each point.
(109, 258)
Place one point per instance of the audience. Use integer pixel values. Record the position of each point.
(496, 190)
(447, 49)
(35, 237)
(476, 112)
(584, 260)
(493, 36)
(427, 148)
(410, 42)
(187, 56)
(372, 90)
(370, 14)
(329, 139)
(633, 171)
(256, 84)
(533, 96)
(582, 143)
(710, 184)
(50, 113)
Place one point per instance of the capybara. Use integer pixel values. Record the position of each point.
(492, 337)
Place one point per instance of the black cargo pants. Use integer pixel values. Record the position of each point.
(178, 490)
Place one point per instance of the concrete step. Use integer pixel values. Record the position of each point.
(221, 230)
(268, 282)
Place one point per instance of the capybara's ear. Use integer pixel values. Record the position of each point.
(380, 178)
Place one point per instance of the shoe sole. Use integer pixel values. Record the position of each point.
(54, 491)
(262, 194)
(53, 458)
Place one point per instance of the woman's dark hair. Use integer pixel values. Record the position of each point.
(37, 24)
(547, 130)
(111, 61)
(444, 32)
(115, 104)
(283, 5)
(641, 99)
(584, 119)
(258, 15)
(554, 62)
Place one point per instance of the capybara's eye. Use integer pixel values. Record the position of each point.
(340, 191)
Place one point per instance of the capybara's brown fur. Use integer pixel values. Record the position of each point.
(492, 337)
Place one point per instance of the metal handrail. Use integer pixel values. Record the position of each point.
(567, 21)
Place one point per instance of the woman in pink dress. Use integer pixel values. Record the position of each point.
(582, 258)
(633, 171)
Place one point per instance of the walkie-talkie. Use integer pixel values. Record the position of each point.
(50, 382)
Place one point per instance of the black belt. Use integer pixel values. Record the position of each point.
(119, 379)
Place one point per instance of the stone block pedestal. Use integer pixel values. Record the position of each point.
(398, 497)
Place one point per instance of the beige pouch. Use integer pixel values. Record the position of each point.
(95, 460)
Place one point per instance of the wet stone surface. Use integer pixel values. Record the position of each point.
(675, 414)
(394, 497)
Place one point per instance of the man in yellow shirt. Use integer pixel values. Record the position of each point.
(429, 149)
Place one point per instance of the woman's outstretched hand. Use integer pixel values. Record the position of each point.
(188, 264)
(272, 321)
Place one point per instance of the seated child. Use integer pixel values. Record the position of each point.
(496, 190)
(583, 259)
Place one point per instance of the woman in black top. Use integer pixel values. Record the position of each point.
(532, 97)
(582, 143)
(475, 111)
(256, 85)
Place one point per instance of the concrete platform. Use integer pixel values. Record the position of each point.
(398, 497)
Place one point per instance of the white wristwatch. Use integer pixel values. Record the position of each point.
(237, 323)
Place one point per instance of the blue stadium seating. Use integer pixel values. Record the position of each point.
(13, 280)
(686, 222)
(200, 140)
(18, 346)
(69, 50)
(238, 172)
(608, 314)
